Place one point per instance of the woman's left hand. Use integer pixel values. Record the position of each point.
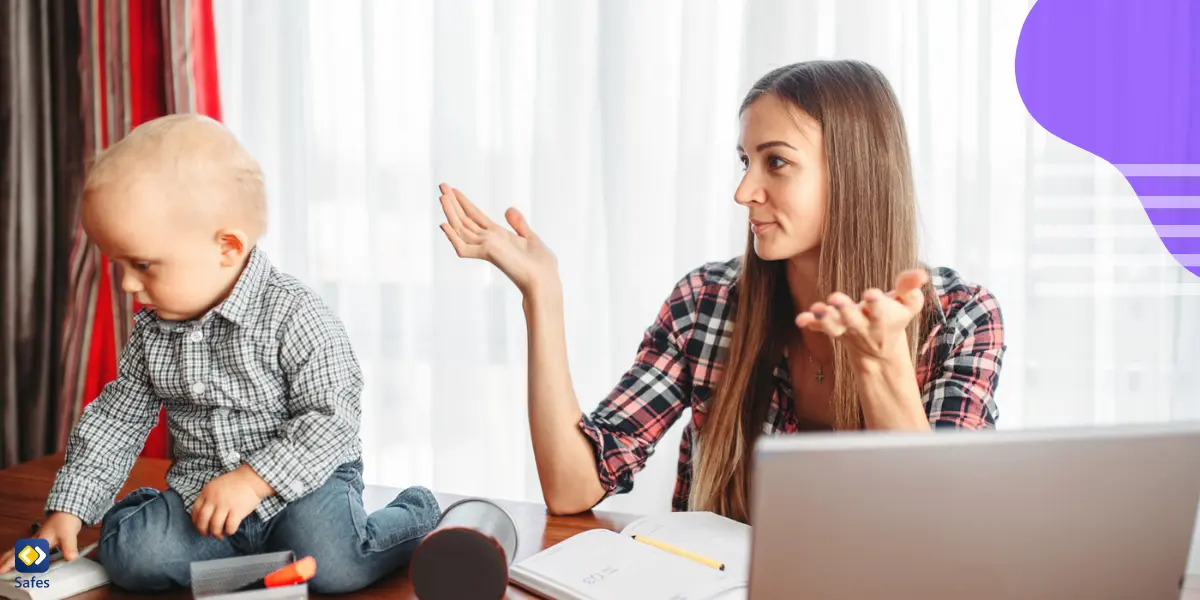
(873, 328)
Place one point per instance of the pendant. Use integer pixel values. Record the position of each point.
(820, 375)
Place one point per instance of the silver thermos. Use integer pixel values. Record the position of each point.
(467, 555)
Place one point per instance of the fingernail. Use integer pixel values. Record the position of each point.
(818, 314)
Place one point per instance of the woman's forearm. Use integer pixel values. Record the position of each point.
(889, 394)
(565, 459)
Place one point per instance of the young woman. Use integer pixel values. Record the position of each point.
(795, 335)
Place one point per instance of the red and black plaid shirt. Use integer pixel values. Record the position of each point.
(680, 360)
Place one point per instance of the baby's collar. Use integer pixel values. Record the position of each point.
(237, 307)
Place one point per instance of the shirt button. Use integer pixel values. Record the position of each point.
(196, 336)
(198, 388)
(234, 457)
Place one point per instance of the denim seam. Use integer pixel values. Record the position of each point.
(359, 525)
(117, 527)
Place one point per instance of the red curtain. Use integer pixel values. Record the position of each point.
(142, 59)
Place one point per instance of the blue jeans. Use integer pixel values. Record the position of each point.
(148, 541)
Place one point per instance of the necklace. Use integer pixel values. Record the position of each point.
(820, 368)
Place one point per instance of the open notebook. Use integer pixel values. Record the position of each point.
(600, 564)
(66, 579)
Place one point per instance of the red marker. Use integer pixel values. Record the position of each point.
(297, 572)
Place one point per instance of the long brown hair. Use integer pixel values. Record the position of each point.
(869, 239)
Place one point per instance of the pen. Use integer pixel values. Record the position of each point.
(297, 572)
(681, 552)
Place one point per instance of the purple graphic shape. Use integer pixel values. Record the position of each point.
(1121, 79)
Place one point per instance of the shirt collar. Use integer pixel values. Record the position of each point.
(940, 301)
(942, 304)
(237, 307)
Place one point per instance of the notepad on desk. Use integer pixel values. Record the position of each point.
(65, 578)
(675, 556)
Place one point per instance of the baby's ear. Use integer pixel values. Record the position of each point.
(234, 246)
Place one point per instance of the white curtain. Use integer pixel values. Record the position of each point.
(612, 125)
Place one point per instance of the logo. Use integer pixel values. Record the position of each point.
(33, 555)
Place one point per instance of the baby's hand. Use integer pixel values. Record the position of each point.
(228, 499)
(61, 530)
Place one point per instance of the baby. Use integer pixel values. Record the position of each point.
(260, 384)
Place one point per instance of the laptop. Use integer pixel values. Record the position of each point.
(1093, 513)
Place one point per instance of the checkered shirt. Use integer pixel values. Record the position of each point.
(267, 378)
(680, 360)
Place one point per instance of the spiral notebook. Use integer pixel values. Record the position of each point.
(675, 556)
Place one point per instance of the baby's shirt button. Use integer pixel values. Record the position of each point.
(198, 388)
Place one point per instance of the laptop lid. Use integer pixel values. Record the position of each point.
(1010, 514)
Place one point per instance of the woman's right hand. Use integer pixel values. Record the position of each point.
(566, 462)
(521, 256)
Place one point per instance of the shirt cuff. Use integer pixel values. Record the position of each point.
(287, 471)
(962, 422)
(609, 482)
(81, 497)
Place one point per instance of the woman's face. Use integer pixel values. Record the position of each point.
(785, 184)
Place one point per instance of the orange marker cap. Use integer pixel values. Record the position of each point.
(297, 572)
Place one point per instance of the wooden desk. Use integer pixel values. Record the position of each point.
(23, 491)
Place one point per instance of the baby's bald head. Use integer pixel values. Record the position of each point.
(196, 168)
(179, 204)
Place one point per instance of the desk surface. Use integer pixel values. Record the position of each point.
(23, 491)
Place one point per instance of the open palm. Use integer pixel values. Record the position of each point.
(518, 253)
(873, 326)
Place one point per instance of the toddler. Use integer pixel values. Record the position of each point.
(258, 378)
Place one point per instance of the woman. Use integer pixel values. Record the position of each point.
(795, 335)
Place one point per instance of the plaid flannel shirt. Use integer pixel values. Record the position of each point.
(267, 378)
(680, 361)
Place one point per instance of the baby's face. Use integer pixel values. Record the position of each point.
(171, 260)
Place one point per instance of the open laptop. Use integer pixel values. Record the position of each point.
(1023, 514)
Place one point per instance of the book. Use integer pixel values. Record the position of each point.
(675, 556)
(62, 579)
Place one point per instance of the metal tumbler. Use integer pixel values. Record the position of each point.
(467, 555)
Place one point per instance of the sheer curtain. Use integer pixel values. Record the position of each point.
(612, 124)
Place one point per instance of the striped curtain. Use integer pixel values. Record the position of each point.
(141, 59)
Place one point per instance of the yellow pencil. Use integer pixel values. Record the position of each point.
(681, 552)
